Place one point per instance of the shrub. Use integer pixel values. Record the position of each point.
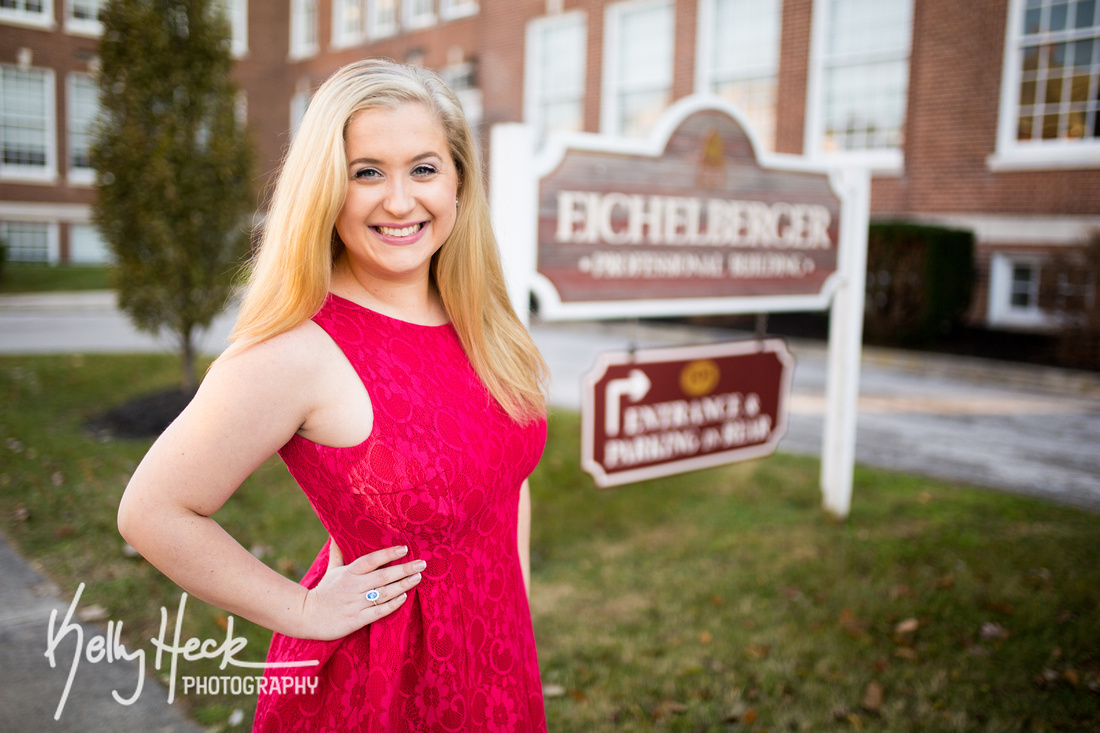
(919, 281)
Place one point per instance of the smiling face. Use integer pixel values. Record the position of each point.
(400, 204)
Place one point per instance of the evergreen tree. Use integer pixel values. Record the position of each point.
(174, 165)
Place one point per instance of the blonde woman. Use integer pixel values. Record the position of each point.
(377, 353)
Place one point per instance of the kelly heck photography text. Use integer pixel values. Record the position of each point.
(109, 648)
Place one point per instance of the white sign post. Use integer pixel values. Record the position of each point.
(691, 220)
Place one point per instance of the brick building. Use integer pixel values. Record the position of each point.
(983, 115)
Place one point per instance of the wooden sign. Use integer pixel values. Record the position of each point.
(698, 225)
(657, 412)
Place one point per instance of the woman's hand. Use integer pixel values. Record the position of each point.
(338, 605)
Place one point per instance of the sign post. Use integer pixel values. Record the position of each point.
(691, 220)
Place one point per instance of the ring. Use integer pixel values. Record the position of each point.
(373, 595)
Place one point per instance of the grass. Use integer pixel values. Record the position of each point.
(713, 601)
(42, 278)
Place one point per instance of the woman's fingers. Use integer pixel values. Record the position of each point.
(335, 557)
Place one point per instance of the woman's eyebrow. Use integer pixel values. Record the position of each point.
(375, 161)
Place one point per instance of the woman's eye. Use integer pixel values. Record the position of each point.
(366, 173)
(424, 170)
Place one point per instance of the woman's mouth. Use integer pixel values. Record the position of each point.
(406, 231)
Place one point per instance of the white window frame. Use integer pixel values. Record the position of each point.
(100, 252)
(890, 161)
(48, 172)
(76, 176)
(1010, 153)
(414, 17)
(377, 28)
(42, 19)
(53, 238)
(609, 102)
(303, 39)
(342, 37)
(236, 12)
(706, 77)
(534, 95)
(1000, 310)
(455, 9)
(91, 27)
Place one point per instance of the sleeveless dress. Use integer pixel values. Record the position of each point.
(440, 473)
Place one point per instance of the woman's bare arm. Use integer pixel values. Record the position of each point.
(523, 534)
(248, 406)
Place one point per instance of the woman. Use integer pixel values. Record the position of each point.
(377, 352)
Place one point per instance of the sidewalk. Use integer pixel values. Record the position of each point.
(31, 691)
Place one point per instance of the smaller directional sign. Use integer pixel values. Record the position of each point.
(656, 412)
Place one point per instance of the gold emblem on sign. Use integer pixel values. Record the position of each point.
(699, 377)
(712, 163)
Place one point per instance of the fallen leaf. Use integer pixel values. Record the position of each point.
(1002, 607)
(872, 697)
(901, 590)
(65, 530)
(222, 621)
(906, 652)
(851, 624)
(93, 613)
(1071, 676)
(21, 514)
(706, 637)
(750, 716)
(908, 626)
(578, 695)
(551, 690)
(855, 721)
(668, 708)
(716, 600)
(946, 582)
(757, 651)
(991, 631)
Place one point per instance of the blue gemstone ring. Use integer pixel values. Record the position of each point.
(373, 595)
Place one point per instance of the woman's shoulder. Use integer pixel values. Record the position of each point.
(298, 352)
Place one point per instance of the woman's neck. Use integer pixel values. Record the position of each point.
(412, 301)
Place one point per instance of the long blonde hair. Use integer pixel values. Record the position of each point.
(290, 274)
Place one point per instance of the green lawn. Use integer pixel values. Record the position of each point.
(713, 601)
(40, 278)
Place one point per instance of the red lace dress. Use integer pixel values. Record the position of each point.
(441, 473)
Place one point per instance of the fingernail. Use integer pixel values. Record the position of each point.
(416, 578)
(403, 550)
(420, 565)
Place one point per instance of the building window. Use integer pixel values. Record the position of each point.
(381, 18)
(451, 9)
(1014, 292)
(462, 79)
(418, 13)
(861, 81)
(236, 12)
(29, 241)
(637, 66)
(738, 58)
(26, 124)
(83, 107)
(555, 64)
(347, 22)
(303, 28)
(86, 246)
(84, 16)
(36, 13)
(1050, 105)
(298, 105)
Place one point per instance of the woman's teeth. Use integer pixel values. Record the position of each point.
(403, 232)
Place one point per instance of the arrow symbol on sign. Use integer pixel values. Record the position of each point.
(635, 386)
